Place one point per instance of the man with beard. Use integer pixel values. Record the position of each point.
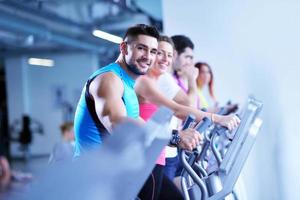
(108, 96)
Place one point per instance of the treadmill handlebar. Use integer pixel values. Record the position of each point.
(203, 125)
(190, 119)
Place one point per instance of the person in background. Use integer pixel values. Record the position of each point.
(5, 173)
(205, 88)
(206, 93)
(64, 149)
(183, 69)
(9, 177)
(184, 73)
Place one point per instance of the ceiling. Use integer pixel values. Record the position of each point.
(30, 26)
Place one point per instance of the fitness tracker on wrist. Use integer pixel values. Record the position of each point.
(175, 138)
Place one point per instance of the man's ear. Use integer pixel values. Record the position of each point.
(123, 48)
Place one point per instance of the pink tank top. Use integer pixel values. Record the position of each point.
(146, 111)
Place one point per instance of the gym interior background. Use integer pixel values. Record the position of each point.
(253, 47)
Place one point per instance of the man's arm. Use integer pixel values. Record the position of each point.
(107, 91)
(191, 74)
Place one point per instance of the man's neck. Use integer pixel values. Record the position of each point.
(183, 78)
(120, 60)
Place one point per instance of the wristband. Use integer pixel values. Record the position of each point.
(175, 138)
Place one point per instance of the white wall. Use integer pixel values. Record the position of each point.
(253, 47)
(31, 90)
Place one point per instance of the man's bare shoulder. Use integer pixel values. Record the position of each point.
(106, 83)
(108, 77)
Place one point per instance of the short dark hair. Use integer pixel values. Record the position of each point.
(181, 42)
(66, 126)
(140, 29)
(164, 38)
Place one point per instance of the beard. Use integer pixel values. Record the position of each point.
(135, 70)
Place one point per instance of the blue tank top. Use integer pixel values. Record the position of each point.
(87, 135)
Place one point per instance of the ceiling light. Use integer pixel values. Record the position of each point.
(41, 62)
(107, 36)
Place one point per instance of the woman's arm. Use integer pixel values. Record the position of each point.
(147, 88)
